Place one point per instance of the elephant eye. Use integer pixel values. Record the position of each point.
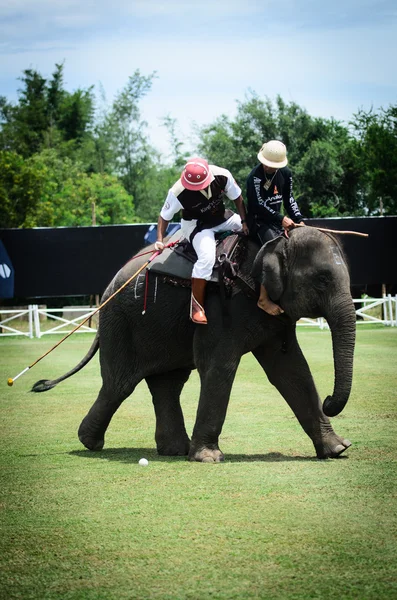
(323, 278)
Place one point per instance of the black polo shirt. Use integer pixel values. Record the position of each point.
(264, 205)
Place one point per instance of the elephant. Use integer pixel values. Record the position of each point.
(305, 272)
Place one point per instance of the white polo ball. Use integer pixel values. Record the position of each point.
(143, 462)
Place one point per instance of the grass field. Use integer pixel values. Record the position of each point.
(271, 522)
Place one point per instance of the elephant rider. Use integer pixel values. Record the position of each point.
(199, 193)
(269, 185)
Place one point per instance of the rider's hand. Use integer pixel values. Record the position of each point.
(159, 246)
(287, 223)
(245, 229)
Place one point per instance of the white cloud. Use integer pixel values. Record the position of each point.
(324, 57)
(9, 8)
(196, 10)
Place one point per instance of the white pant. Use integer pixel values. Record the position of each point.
(205, 245)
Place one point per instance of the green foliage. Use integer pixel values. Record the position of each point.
(335, 172)
(119, 134)
(235, 144)
(153, 183)
(45, 115)
(319, 174)
(71, 197)
(63, 151)
(76, 114)
(179, 156)
(120, 147)
(377, 151)
(49, 191)
(98, 196)
(61, 170)
(20, 190)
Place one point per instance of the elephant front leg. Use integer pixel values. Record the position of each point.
(289, 372)
(171, 437)
(216, 385)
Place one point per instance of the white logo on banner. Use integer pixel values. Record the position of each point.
(5, 271)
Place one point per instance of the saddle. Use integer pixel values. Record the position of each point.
(176, 264)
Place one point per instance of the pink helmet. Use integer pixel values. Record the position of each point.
(196, 174)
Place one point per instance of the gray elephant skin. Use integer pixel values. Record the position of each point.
(306, 274)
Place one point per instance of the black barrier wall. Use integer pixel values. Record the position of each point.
(69, 261)
(80, 261)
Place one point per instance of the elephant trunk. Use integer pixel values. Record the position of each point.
(342, 322)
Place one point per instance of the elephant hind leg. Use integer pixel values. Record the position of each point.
(171, 437)
(94, 425)
(121, 372)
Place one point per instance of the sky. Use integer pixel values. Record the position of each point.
(330, 57)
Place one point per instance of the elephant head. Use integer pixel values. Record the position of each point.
(307, 275)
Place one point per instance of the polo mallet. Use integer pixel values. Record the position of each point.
(335, 230)
(10, 381)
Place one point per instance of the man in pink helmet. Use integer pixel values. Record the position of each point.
(199, 195)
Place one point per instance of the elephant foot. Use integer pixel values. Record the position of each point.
(89, 440)
(206, 455)
(173, 447)
(91, 443)
(332, 446)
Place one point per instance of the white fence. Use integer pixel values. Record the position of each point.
(370, 310)
(6, 316)
(27, 321)
(37, 321)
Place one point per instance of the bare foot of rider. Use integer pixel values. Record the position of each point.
(267, 305)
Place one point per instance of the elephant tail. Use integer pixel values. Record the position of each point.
(47, 384)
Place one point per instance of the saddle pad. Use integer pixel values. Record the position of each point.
(170, 263)
(176, 264)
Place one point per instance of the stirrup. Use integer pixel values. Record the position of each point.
(197, 313)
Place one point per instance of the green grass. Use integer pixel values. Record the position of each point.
(271, 522)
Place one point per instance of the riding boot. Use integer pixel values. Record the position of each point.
(197, 313)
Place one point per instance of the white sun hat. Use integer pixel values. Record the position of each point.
(273, 154)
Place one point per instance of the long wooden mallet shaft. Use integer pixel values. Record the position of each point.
(335, 230)
(11, 380)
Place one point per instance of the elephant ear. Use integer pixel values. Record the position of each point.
(268, 267)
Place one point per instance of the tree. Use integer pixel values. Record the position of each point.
(69, 195)
(23, 125)
(234, 144)
(97, 194)
(321, 152)
(45, 115)
(327, 174)
(154, 181)
(119, 136)
(377, 151)
(56, 143)
(179, 157)
(48, 191)
(318, 175)
(20, 190)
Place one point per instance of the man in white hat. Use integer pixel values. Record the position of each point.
(199, 195)
(269, 186)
